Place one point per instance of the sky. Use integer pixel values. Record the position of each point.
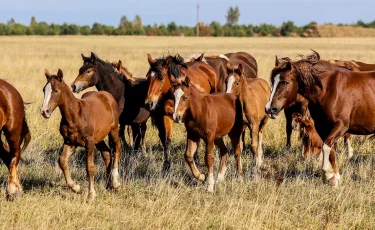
(183, 12)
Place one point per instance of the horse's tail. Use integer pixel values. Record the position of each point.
(25, 135)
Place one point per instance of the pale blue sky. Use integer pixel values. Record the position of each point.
(183, 12)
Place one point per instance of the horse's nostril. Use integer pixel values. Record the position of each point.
(47, 111)
(74, 87)
(274, 110)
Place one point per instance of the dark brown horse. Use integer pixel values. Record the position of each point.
(208, 117)
(86, 123)
(162, 72)
(340, 102)
(221, 62)
(16, 131)
(253, 94)
(96, 72)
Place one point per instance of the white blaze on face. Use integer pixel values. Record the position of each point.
(230, 82)
(47, 96)
(275, 83)
(177, 97)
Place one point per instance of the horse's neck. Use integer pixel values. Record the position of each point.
(70, 106)
(110, 83)
(196, 104)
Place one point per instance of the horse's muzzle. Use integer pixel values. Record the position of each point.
(46, 113)
(77, 87)
(150, 105)
(272, 112)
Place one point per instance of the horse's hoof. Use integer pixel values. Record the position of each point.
(91, 196)
(220, 178)
(202, 177)
(76, 188)
(12, 192)
(335, 180)
(166, 168)
(210, 189)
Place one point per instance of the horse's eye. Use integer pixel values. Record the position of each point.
(299, 119)
(185, 98)
(237, 83)
(55, 90)
(89, 71)
(286, 83)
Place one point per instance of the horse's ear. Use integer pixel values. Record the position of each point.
(48, 75)
(93, 57)
(187, 81)
(200, 58)
(277, 61)
(230, 67)
(119, 65)
(59, 75)
(168, 62)
(150, 60)
(84, 58)
(241, 70)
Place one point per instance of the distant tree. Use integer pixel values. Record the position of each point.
(11, 22)
(287, 28)
(217, 29)
(54, 29)
(124, 21)
(137, 26)
(162, 30)
(97, 29)
(173, 29)
(33, 22)
(85, 30)
(233, 14)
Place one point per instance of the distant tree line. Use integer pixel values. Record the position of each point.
(135, 27)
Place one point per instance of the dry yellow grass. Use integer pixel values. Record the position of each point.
(345, 31)
(288, 195)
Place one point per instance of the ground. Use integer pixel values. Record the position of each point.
(289, 193)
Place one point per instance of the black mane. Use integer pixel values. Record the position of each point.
(174, 68)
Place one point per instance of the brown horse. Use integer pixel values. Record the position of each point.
(102, 75)
(339, 102)
(208, 117)
(16, 131)
(253, 94)
(86, 123)
(221, 62)
(162, 72)
(311, 141)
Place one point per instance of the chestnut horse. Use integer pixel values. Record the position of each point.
(208, 117)
(86, 123)
(162, 72)
(221, 62)
(300, 104)
(311, 141)
(334, 112)
(16, 131)
(253, 94)
(96, 72)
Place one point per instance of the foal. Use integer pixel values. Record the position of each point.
(253, 94)
(312, 143)
(208, 117)
(86, 123)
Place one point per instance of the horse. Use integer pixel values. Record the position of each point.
(135, 92)
(222, 65)
(16, 131)
(253, 94)
(162, 72)
(333, 111)
(102, 75)
(208, 117)
(84, 122)
(300, 104)
(311, 141)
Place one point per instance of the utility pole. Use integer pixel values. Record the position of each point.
(198, 19)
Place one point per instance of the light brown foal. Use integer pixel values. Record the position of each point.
(84, 122)
(253, 94)
(208, 117)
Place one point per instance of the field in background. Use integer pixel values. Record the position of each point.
(289, 194)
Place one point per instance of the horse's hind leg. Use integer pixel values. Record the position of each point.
(254, 131)
(124, 144)
(12, 159)
(131, 135)
(223, 151)
(115, 145)
(191, 147)
(235, 138)
(63, 163)
(143, 135)
(262, 129)
(105, 151)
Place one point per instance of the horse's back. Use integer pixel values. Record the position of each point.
(11, 104)
(204, 75)
(97, 100)
(246, 60)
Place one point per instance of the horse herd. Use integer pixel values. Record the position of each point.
(213, 96)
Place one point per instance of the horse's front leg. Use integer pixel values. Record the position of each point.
(168, 130)
(90, 167)
(209, 158)
(330, 167)
(63, 163)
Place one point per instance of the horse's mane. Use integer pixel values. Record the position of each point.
(124, 73)
(109, 68)
(308, 77)
(174, 68)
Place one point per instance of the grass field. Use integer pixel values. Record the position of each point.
(289, 194)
